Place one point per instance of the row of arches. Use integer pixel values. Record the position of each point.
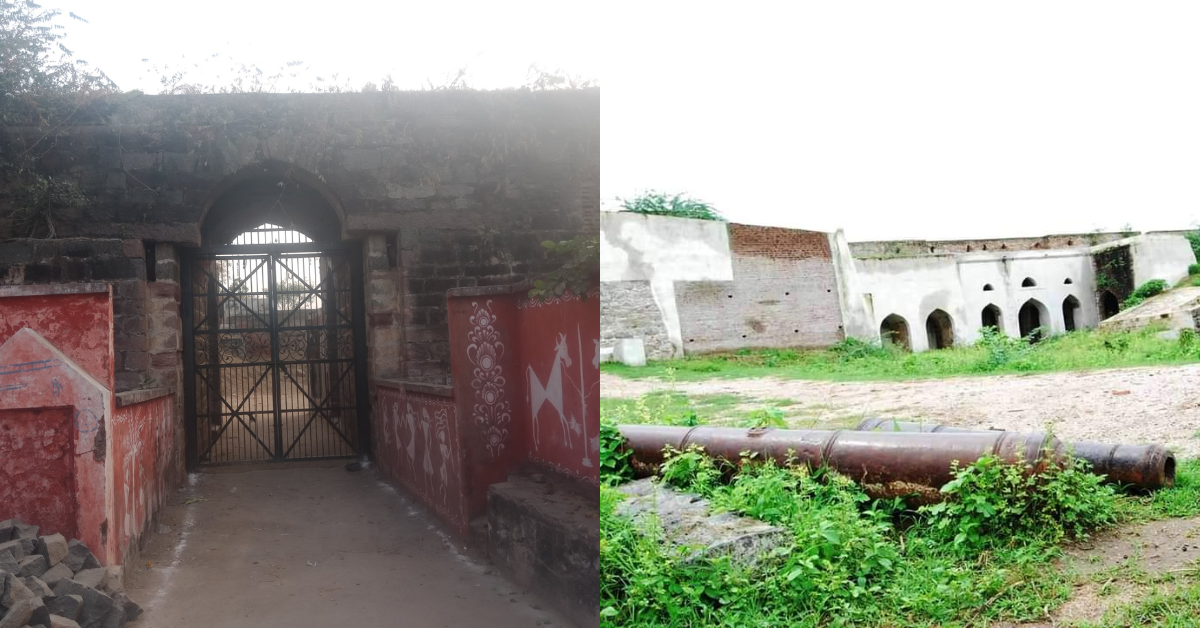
(1028, 282)
(939, 326)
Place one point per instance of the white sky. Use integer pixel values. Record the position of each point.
(887, 119)
(913, 119)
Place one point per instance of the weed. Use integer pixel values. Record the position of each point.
(858, 361)
(614, 458)
(1143, 292)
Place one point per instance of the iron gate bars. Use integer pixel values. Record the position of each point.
(274, 353)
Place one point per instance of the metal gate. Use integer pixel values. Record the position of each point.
(274, 347)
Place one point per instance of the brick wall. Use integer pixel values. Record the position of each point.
(783, 294)
(628, 310)
(917, 248)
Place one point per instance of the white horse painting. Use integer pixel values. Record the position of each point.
(551, 391)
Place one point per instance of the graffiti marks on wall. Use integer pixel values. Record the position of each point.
(145, 435)
(492, 412)
(421, 450)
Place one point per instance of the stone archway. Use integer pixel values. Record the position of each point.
(991, 316)
(893, 331)
(939, 330)
(1109, 305)
(1031, 319)
(1071, 310)
(274, 340)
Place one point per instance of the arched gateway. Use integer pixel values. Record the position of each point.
(274, 339)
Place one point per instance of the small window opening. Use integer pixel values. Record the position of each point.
(987, 287)
(151, 261)
(1028, 282)
(1068, 281)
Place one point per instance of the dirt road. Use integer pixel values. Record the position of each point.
(1155, 404)
(314, 545)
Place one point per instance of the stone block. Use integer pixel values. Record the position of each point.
(115, 581)
(23, 531)
(15, 591)
(95, 607)
(94, 578)
(18, 615)
(38, 586)
(32, 565)
(550, 544)
(56, 573)
(132, 610)
(67, 606)
(116, 615)
(6, 530)
(17, 548)
(687, 521)
(133, 248)
(53, 548)
(41, 614)
(79, 557)
(8, 564)
(630, 351)
(62, 622)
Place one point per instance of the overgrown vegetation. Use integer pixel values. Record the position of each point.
(1143, 292)
(578, 273)
(994, 353)
(42, 85)
(984, 554)
(677, 205)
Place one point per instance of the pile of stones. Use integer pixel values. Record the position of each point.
(49, 582)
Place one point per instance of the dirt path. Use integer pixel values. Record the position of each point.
(1155, 404)
(314, 545)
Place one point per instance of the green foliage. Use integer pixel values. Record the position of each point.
(849, 560)
(42, 85)
(852, 349)
(690, 470)
(1145, 291)
(614, 458)
(1002, 350)
(1193, 238)
(1193, 269)
(852, 560)
(678, 205)
(577, 273)
(766, 417)
(992, 502)
(1078, 350)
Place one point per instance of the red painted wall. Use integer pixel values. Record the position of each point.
(485, 363)
(36, 463)
(560, 381)
(141, 468)
(79, 325)
(417, 445)
(34, 375)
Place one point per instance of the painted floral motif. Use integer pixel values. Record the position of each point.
(492, 412)
(594, 293)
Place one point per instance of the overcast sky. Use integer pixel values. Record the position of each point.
(887, 119)
(914, 119)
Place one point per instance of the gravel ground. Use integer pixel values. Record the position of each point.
(1136, 405)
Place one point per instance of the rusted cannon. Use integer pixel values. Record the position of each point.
(885, 463)
(1145, 467)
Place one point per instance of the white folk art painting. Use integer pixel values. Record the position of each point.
(551, 391)
(492, 413)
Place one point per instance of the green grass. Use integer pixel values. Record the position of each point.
(857, 361)
(988, 555)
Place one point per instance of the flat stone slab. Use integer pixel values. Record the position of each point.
(687, 520)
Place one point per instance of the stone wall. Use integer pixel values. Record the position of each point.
(917, 248)
(783, 294)
(628, 310)
(456, 189)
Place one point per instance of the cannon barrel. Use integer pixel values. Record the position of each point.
(885, 463)
(1146, 467)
